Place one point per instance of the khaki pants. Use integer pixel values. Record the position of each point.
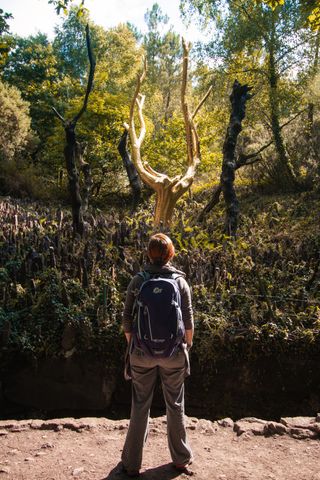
(144, 372)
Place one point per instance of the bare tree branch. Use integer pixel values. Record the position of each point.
(202, 102)
(59, 116)
(90, 78)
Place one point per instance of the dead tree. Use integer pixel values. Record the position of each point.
(133, 176)
(72, 150)
(168, 190)
(238, 98)
(242, 160)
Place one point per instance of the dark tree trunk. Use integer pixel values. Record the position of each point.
(72, 148)
(70, 153)
(133, 176)
(238, 98)
(87, 178)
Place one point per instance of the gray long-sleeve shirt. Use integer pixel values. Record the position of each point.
(133, 290)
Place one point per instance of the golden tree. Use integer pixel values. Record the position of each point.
(168, 189)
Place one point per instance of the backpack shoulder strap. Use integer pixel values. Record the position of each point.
(144, 275)
(175, 276)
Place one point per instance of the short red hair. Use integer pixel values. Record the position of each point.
(160, 249)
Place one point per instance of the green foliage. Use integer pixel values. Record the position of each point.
(14, 123)
(63, 5)
(256, 295)
(5, 41)
(164, 56)
(32, 67)
(70, 47)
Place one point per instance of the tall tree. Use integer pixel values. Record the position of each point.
(278, 32)
(32, 67)
(14, 123)
(168, 190)
(163, 52)
(68, 45)
(72, 149)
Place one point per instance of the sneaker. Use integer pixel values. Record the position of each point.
(130, 473)
(184, 468)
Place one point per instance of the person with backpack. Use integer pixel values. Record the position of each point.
(158, 325)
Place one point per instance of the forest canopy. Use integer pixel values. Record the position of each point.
(270, 45)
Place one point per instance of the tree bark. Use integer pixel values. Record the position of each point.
(70, 154)
(286, 173)
(87, 178)
(133, 176)
(238, 98)
(311, 152)
(72, 149)
(168, 190)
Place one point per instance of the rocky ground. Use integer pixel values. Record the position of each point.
(90, 448)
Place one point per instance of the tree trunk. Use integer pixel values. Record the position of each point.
(238, 98)
(134, 179)
(285, 170)
(87, 177)
(72, 149)
(168, 190)
(165, 202)
(311, 152)
(70, 153)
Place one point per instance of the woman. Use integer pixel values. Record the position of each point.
(144, 369)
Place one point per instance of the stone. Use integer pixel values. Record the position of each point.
(302, 433)
(253, 420)
(3, 433)
(205, 426)
(191, 427)
(37, 424)
(77, 471)
(226, 422)
(5, 470)
(274, 428)
(14, 451)
(316, 428)
(298, 422)
(244, 426)
(91, 423)
(52, 424)
(19, 425)
(17, 428)
(47, 445)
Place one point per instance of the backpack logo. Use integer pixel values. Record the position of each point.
(157, 290)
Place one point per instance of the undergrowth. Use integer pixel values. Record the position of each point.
(257, 294)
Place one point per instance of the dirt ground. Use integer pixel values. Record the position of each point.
(91, 448)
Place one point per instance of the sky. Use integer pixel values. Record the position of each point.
(32, 16)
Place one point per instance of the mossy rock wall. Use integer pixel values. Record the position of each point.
(265, 387)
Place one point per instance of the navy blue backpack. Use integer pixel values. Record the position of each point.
(158, 327)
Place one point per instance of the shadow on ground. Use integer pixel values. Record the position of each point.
(163, 472)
